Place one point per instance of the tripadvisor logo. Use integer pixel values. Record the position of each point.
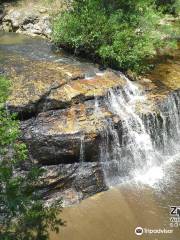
(139, 231)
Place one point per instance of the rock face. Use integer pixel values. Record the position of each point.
(75, 181)
(59, 103)
(30, 22)
(65, 136)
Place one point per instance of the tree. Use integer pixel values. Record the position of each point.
(23, 214)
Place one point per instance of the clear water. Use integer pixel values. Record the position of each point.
(40, 50)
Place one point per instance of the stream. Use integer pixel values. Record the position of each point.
(144, 185)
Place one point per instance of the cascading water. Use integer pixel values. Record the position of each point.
(81, 157)
(139, 143)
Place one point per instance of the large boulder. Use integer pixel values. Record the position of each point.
(31, 22)
(65, 136)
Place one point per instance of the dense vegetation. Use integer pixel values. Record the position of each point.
(118, 33)
(23, 215)
(169, 6)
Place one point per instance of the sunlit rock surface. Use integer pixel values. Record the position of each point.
(30, 21)
(32, 83)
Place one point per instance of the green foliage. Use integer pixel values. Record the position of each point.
(119, 33)
(4, 89)
(169, 6)
(23, 215)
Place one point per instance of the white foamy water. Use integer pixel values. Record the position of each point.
(150, 177)
(139, 146)
(156, 173)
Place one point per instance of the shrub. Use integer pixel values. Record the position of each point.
(119, 33)
(4, 90)
(169, 6)
(23, 215)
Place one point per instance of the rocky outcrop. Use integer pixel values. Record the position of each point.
(59, 105)
(65, 136)
(68, 124)
(60, 121)
(27, 21)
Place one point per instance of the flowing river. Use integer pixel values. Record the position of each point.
(142, 168)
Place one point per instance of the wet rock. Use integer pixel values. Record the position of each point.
(65, 136)
(73, 182)
(83, 89)
(56, 136)
(33, 81)
(42, 86)
(167, 75)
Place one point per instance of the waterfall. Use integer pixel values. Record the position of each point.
(81, 154)
(138, 142)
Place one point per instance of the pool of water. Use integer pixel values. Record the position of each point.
(37, 49)
(18, 46)
(115, 214)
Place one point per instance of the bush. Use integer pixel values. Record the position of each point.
(169, 6)
(4, 90)
(119, 33)
(23, 215)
